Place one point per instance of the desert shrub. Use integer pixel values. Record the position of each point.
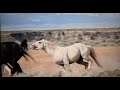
(117, 41)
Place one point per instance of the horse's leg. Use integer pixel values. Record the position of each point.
(7, 68)
(16, 67)
(62, 67)
(85, 56)
(80, 61)
(89, 61)
(67, 65)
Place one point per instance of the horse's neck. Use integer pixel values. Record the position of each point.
(50, 51)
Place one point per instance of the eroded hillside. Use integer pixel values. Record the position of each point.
(66, 37)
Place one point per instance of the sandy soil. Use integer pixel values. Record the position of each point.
(108, 56)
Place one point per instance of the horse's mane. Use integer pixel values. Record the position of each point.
(24, 44)
(49, 44)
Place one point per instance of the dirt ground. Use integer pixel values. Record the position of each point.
(108, 56)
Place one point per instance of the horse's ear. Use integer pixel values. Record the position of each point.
(43, 40)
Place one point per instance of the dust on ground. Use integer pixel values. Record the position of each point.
(108, 56)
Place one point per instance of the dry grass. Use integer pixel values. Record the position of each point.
(115, 73)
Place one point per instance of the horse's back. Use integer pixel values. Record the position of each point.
(79, 46)
(84, 49)
(9, 45)
(12, 47)
(73, 54)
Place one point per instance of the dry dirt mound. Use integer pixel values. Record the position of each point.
(109, 57)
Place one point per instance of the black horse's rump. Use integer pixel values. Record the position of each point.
(11, 52)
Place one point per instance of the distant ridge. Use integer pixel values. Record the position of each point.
(82, 29)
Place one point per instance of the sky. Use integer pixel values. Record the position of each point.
(50, 21)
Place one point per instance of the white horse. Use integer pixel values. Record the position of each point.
(63, 56)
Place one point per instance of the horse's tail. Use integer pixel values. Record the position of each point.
(93, 55)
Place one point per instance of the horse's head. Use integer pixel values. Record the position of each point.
(39, 44)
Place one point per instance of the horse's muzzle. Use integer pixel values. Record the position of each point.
(32, 47)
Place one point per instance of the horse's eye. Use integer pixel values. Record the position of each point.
(39, 42)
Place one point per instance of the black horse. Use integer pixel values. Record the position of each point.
(11, 52)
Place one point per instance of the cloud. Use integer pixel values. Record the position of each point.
(95, 14)
(61, 26)
(58, 14)
(36, 20)
(45, 21)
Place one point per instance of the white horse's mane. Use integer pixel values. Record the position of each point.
(49, 47)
